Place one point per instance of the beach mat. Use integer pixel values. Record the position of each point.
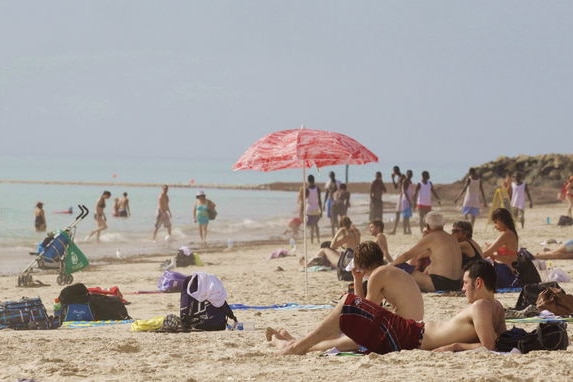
(287, 306)
(90, 324)
(537, 319)
(459, 293)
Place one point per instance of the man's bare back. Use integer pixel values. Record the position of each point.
(462, 327)
(444, 253)
(399, 289)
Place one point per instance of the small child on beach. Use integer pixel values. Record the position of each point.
(293, 227)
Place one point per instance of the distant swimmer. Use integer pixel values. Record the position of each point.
(68, 211)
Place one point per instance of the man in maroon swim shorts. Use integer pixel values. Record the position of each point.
(376, 328)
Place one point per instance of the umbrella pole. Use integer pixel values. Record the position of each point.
(304, 231)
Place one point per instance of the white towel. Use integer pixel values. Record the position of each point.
(209, 288)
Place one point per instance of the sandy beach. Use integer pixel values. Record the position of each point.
(114, 353)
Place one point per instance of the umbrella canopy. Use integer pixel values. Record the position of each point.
(303, 148)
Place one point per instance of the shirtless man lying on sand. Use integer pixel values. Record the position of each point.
(380, 331)
(386, 283)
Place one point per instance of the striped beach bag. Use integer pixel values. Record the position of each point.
(27, 313)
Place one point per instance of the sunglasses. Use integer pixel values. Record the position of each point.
(455, 230)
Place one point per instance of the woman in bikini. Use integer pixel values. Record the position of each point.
(347, 237)
(503, 251)
(99, 216)
(462, 230)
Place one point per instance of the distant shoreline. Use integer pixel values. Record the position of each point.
(447, 192)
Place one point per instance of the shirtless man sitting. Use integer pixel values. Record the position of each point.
(347, 236)
(380, 331)
(376, 228)
(386, 283)
(443, 250)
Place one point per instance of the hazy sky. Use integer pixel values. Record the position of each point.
(463, 81)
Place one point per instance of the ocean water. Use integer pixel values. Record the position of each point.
(244, 214)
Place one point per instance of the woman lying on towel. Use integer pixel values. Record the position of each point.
(564, 251)
(347, 237)
(503, 251)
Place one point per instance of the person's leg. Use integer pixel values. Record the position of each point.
(342, 343)
(424, 281)
(333, 224)
(102, 225)
(406, 226)
(557, 254)
(396, 222)
(327, 329)
(422, 215)
(472, 219)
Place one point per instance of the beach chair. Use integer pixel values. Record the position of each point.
(58, 251)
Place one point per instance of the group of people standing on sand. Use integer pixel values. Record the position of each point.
(201, 213)
(336, 204)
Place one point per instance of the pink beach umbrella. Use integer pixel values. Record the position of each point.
(303, 148)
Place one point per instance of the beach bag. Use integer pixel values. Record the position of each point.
(530, 292)
(211, 211)
(77, 312)
(107, 308)
(344, 259)
(556, 301)
(565, 220)
(27, 313)
(74, 294)
(184, 257)
(526, 271)
(171, 281)
(547, 336)
(202, 315)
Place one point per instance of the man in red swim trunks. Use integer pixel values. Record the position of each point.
(377, 330)
(386, 283)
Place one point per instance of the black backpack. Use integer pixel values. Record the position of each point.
(526, 271)
(565, 220)
(74, 294)
(547, 336)
(201, 315)
(344, 259)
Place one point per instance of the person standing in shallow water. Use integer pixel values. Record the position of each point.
(99, 216)
(123, 206)
(163, 216)
(201, 215)
(40, 218)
